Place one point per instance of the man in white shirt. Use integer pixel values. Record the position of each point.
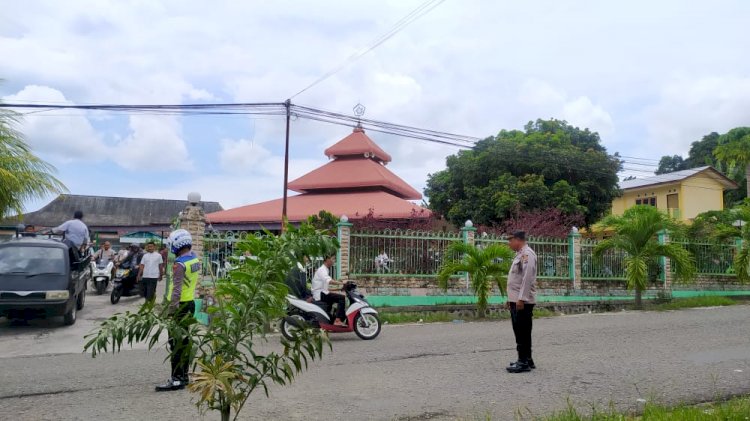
(320, 283)
(150, 271)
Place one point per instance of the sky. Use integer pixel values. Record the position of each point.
(649, 77)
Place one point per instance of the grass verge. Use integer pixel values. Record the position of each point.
(708, 301)
(736, 409)
(444, 316)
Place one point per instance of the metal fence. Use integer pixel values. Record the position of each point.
(397, 252)
(221, 254)
(711, 258)
(611, 264)
(553, 256)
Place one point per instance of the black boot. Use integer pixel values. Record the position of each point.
(519, 367)
(171, 384)
(530, 362)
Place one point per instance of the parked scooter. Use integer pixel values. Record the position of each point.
(360, 317)
(102, 274)
(125, 283)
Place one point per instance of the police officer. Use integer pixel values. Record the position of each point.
(521, 299)
(181, 294)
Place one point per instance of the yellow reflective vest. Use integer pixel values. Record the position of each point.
(192, 273)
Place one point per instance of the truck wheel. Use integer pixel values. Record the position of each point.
(70, 317)
(81, 300)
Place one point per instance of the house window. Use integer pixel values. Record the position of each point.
(646, 201)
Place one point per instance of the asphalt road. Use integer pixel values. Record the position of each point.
(415, 372)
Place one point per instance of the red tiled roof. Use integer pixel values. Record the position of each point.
(354, 205)
(353, 174)
(357, 144)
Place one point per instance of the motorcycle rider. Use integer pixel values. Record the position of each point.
(107, 254)
(320, 283)
(185, 276)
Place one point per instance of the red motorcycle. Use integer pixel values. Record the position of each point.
(360, 317)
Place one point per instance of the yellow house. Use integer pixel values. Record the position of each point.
(682, 194)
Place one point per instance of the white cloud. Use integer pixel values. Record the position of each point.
(467, 67)
(243, 156)
(63, 135)
(154, 143)
(689, 108)
(580, 111)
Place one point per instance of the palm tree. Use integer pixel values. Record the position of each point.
(486, 266)
(734, 149)
(23, 176)
(742, 258)
(636, 233)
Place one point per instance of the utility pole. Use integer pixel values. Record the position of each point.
(288, 105)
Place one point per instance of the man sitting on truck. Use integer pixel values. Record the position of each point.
(76, 234)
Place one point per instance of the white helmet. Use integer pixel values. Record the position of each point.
(178, 239)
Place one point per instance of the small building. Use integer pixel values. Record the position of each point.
(355, 183)
(117, 219)
(683, 194)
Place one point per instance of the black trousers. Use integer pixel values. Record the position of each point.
(522, 321)
(181, 356)
(332, 298)
(149, 288)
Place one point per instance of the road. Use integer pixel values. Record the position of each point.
(414, 372)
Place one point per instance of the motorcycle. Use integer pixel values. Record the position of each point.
(125, 283)
(102, 272)
(360, 317)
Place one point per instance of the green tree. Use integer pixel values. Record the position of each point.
(486, 266)
(23, 175)
(672, 163)
(702, 152)
(324, 220)
(742, 258)
(636, 233)
(550, 164)
(230, 362)
(734, 149)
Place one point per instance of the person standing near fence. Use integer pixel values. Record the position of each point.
(521, 300)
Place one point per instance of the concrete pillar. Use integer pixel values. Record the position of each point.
(664, 263)
(342, 255)
(574, 257)
(193, 219)
(468, 233)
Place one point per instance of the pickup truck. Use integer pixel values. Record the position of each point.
(40, 277)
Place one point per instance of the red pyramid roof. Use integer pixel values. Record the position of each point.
(353, 174)
(357, 144)
(354, 205)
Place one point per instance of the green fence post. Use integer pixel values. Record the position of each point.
(574, 257)
(468, 234)
(665, 275)
(344, 229)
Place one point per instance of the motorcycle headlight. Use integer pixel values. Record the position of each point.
(120, 272)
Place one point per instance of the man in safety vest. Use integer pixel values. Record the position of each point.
(185, 276)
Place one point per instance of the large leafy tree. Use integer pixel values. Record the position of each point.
(636, 233)
(701, 153)
(485, 266)
(734, 149)
(23, 175)
(231, 362)
(550, 164)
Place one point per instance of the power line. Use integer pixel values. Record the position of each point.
(275, 109)
(415, 14)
